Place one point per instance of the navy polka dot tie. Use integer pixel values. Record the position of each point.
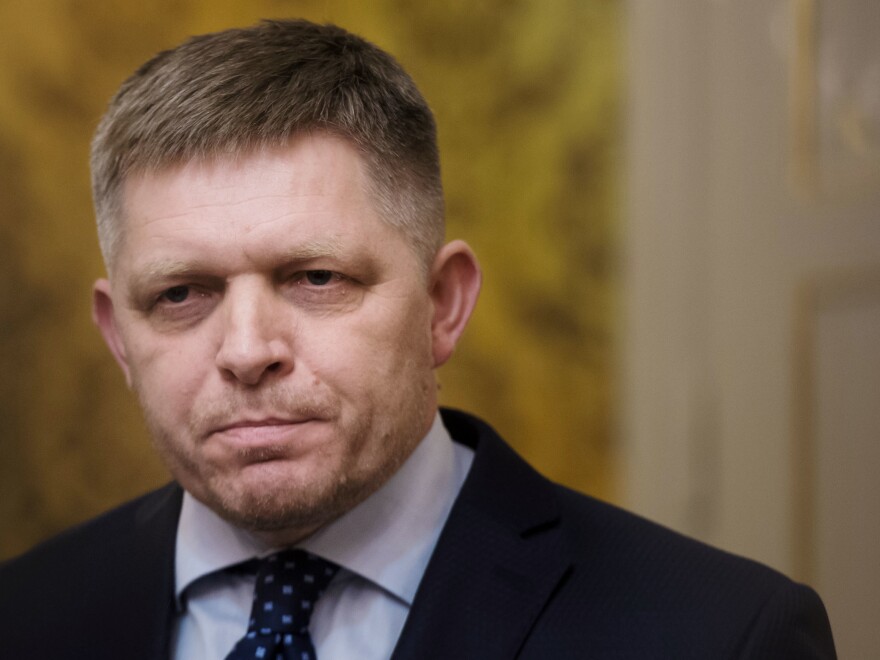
(288, 585)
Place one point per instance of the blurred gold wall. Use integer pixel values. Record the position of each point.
(526, 94)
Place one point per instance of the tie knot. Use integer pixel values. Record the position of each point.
(288, 585)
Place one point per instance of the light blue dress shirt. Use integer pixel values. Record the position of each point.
(383, 546)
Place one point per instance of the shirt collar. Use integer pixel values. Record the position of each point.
(387, 539)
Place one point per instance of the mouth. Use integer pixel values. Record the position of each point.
(266, 433)
(261, 423)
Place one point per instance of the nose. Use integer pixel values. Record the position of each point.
(255, 341)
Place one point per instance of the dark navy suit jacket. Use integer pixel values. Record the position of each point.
(524, 569)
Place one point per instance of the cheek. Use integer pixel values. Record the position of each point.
(377, 359)
(166, 376)
(401, 341)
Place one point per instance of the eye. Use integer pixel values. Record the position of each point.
(318, 289)
(176, 294)
(319, 277)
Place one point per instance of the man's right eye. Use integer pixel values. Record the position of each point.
(176, 294)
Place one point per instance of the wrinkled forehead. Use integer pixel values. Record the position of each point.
(309, 199)
(232, 174)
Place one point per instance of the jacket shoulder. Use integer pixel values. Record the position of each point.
(633, 588)
(628, 544)
(96, 540)
(682, 594)
(116, 567)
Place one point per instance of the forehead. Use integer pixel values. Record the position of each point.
(311, 193)
(323, 168)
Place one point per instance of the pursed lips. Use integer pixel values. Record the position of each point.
(271, 430)
(255, 423)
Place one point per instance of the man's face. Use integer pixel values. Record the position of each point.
(277, 332)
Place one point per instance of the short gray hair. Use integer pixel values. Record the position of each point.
(230, 93)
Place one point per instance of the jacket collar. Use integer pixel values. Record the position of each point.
(498, 561)
(153, 584)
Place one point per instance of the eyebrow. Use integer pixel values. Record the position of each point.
(313, 249)
(164, 268)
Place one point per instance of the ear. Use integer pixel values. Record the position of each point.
(454, 288)
(102, 315)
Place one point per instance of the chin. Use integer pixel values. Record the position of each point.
(266, 501)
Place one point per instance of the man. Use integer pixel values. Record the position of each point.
(278, 296)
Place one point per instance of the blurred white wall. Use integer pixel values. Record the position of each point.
(751, 377)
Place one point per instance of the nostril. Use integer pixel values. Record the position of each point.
(275, 366)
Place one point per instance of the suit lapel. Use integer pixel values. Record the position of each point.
(499, 559)
(151, 584)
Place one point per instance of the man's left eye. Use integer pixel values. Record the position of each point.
(176, 294)
(319, 277)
